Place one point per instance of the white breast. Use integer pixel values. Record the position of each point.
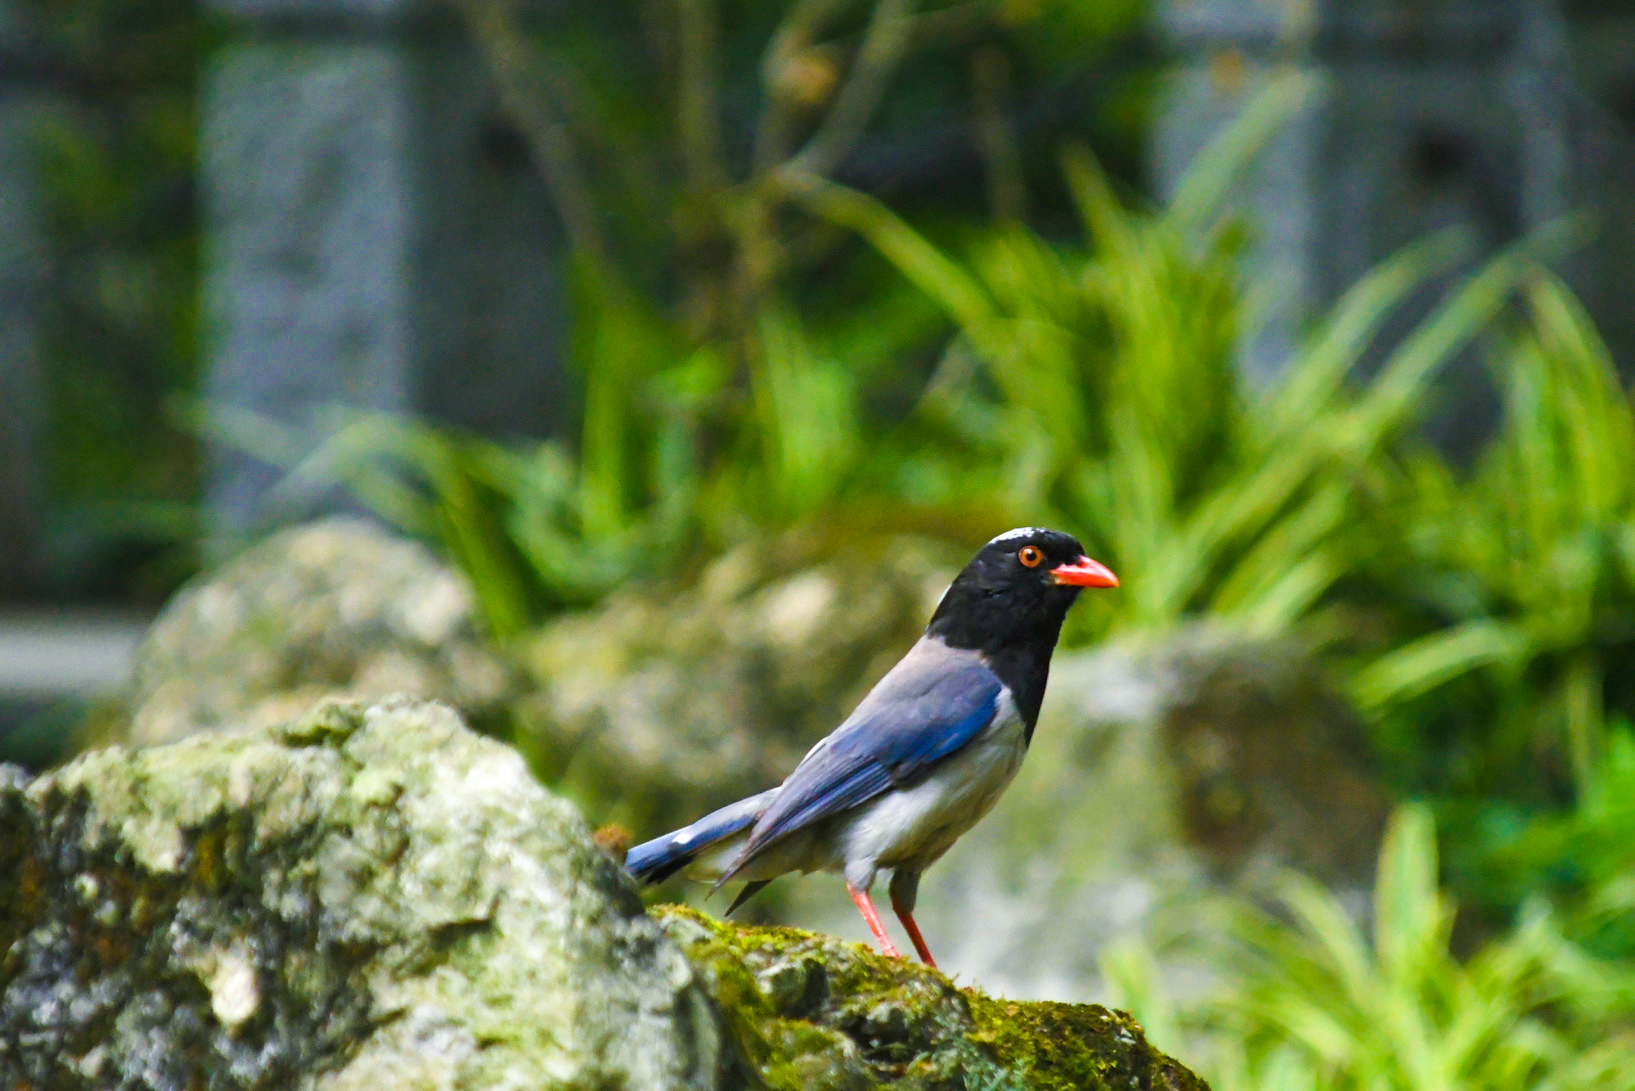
(914, 826)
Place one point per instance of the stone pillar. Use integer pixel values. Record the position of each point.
(1425, 116)
(1225, 53)
(22, 274)
(376, 236)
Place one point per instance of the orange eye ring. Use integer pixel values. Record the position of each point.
(1030, 556)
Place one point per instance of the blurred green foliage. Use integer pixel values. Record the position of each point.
(1478, 615)
(1522, 572)
(1102, 388)
(1510, 592)
(116, 154)
(1314, 1004)
(1572, 854)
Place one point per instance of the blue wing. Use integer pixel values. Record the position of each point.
(933, 702)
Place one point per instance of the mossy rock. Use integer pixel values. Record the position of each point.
(812, 1012)
(366, 898)
(376, 897)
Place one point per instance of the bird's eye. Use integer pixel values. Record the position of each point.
(1030, 556)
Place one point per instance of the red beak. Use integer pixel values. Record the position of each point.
(1084, 573)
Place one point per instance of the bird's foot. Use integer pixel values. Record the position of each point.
(866, 907)
(913, 931)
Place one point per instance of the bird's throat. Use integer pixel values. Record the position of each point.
(1024, 669)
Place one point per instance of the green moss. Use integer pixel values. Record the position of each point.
(1075, 1045)
(810, 1011)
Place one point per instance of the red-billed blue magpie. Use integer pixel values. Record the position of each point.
(925, 755)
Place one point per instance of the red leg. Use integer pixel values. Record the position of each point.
(866, 907)
(907, 917)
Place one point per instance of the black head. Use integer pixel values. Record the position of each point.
(1016, 590)
(1010, 601)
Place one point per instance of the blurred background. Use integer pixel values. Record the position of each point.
(635, 375)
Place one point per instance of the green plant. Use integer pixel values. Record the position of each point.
(1309, 1001)
(1517, 580)
(1575, 856)
(666, 132)
(1100, 384)
(117, 265)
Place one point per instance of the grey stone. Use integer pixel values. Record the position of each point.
(1599, 76)
(1340, 24)
(1200, 98)
(1383, 152)
(369, 897)
(336, 608)
(1496, 117)
(377, 240)
(307, 203)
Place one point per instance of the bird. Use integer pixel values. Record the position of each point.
(926, 753)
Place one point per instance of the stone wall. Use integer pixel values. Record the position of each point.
(377, 237)
(1495, 116)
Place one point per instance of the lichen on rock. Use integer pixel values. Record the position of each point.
(812, 1012)
(366, 898)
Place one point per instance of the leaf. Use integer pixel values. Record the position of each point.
(1210, 176)
(1433, 659)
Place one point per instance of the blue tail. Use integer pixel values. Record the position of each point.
(658, 859)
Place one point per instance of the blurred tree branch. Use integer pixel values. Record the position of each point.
(526, 91)
(1007, 193)
(728, 232)
(790, 42)
(884, 43)
(696, 107)
(952, 22)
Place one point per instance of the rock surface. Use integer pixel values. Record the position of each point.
(670, 704)
(816, 1014)
(364, 899)
(376, 898)
(334, 608)
(1260, 763)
